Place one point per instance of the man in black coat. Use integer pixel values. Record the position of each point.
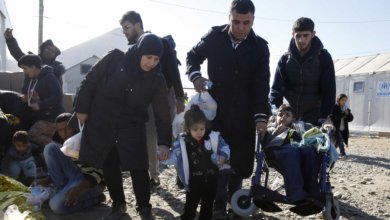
(132, 27)
(238, 66)
(305, 75)
(48, 53)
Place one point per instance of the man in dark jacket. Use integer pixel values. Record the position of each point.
(132, 26)
(238, 66)
(48, 53)
(305, 75)
(43, 95)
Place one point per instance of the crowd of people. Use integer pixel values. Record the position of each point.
(127, 102)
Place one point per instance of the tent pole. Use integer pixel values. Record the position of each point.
(40, 25)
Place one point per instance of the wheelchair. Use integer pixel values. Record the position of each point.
(245, 202)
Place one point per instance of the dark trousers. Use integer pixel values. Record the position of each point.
(228, 183)
(299, 168)
(340, 142)
(113, 178)
(203, 192)
(311, 164)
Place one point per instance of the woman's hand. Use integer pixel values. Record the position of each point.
(163, 152)
(34, 106)
(82, 117)
(180, 105)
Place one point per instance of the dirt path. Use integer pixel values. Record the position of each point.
(361, 184)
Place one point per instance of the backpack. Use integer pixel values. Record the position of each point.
(172, 45)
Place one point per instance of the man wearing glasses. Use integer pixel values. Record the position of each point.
(305, 75)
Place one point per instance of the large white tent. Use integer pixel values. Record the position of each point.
(366, 81)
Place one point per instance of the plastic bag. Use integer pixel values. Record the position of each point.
(177, 124)
(13, 192)
(71, 147)
(13, 213)
(205, 102)
(37, 196)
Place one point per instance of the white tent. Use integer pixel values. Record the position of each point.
(86, 54)
(366, 81)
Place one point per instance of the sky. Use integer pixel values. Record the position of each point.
(347, 28)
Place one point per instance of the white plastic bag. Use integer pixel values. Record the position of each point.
(178, 124)
(205, 102)
(71, 147)
(13, 213)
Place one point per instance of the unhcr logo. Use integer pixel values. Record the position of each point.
(383, 88)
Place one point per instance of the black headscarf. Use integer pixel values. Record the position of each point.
(147, 44)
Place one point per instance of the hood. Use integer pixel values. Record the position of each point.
(147, 44)
(43, 46)
(316, 46)
(45, 70)
(49, 43)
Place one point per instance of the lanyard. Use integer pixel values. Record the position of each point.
(29, 93)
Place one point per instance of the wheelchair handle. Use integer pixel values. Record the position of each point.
(258, 144)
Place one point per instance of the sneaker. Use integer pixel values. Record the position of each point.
(117, 212)
(343, 157)
(145, 213)
(154, 182)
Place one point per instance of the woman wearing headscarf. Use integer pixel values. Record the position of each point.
(112, 102)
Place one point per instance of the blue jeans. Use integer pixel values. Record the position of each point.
(13, 168)
(65, 174)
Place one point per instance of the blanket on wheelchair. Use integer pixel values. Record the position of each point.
(314, 137)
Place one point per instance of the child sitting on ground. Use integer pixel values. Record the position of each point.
(19, 158)
(199, 154)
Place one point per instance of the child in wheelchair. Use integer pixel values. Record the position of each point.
(295, 156)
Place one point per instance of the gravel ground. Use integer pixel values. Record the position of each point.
(361, 185)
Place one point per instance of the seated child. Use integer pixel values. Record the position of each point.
(19, 158)
(299, 166)
(198, 155)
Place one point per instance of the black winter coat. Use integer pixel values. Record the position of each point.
(47, 92)
(116, 100)
(240, 87)
(336, 116)
(307, 109)
(170, 70)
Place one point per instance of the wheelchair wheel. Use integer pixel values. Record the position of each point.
(242, 204)
(332, 209)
